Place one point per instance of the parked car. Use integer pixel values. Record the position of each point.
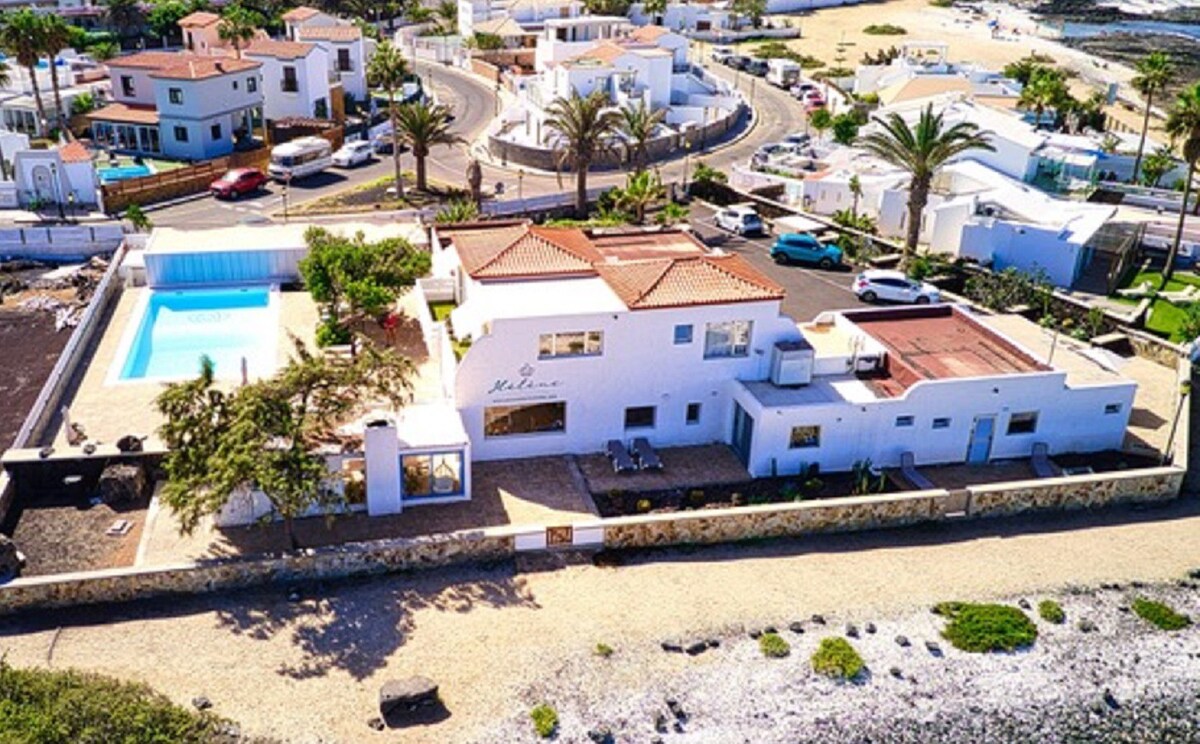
(799, 139)
(299, 158)
(758, 67)
(802, 88)
(893, 286)
(805, 248)
(721, 54)
(812, 105)
(737, 61)
(741, 219)
(237, 182)
(353, 153)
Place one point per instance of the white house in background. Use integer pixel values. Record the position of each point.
(62, 175)
(580, 338)
(303, 16)
(78, 75)
(179, 104)
(685, 16)
(199, 31)
(529, 14)
(295, 78)
(346, 49)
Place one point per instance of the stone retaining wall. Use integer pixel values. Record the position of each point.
(356, 559)
(1075, 492)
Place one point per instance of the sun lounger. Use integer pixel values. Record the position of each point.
(1186, 295)
(908, 468)
(1040, 459)
(647, 457)
(1141, 290)
(620, 458)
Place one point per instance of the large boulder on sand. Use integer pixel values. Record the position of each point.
(122, 484)
(400, 695)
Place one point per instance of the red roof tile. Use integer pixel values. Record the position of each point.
(278, 49)
(74, 152)
(198, 19)
(205, 67)
(300, 13)
(125, 113)
(699, 280)
(524, 251)
(330, 33)
(649, 34)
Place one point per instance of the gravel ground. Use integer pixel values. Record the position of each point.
(1123, 682)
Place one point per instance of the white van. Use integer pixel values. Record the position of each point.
(300, 158)
(783, 73)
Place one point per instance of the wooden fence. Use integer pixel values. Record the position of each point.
(172, 184)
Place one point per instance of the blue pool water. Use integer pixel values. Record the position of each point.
(178, 327)
(122, 172)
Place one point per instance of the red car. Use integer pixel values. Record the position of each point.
(237, 182)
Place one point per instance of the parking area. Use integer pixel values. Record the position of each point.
(810, 290)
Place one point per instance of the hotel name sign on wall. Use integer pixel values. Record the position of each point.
(524, 386)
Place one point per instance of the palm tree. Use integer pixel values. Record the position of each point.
(56, 36)
(238, 26)
(422, 126)
(387, 69)
(638, 123)
(1154, 73)
(585, 126)
(21, 38)
(921, 151)
(1183, 126)
(642, 189)
(1044, 90)
(654, 9)
(125, 16)
(856, 193)
(447, 11)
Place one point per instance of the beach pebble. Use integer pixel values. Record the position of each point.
(1086, 626)
(796, 627)
(601, 735)
(201, 702)
(696, 648)
(1023, 603)
(376, 723)
(851, 631)
(672, 646)
(895, 672)
(902, 641)
(818, 619)
(933, 648)
(870, 628)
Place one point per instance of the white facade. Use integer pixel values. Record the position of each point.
(295, 79)
(62, 175)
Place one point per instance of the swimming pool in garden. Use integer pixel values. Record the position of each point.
(172, 329)
(123, 172)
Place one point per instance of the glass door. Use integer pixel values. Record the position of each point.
(743, 433)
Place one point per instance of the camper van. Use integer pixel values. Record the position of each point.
(300, 158)
(783, 73)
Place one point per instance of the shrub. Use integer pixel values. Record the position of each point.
(695, 498)
(332, 333)
(942, 3)
(643, 506)
(604, 650)
(884, 29)
(69, 706)
(773, 646)
(545, 720)
(836, 658)
(981, 628)
(1051, 611)
(1160, 615)
(813, 485)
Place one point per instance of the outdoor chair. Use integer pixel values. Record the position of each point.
(908, 467)
(647, 457)
(1043, 467)
(1141, 290)
(1186, 295)
(620, 458)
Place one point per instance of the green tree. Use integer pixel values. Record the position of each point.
(585, 127)
(421, 126)
(354, 279)
(387, 69)
(238, 25)
(56, 36)
(447, 12)
(124, 16)
(459, 210)
(486, 42)
(138, 219)
(265, 435)
(921, 150)
(83, 103)
(1156, 165)
(1046, 89)
(21, 37)
(1183, 127)
(607, 7)
(751, 10)
(845, 129)
(654, 9)
(1155, 72)
(637, 124)
(820, 121)
(642, 190)
(164, 16)
(856, 192)
(102, 51)
(1023, 69)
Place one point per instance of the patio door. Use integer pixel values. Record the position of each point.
(979, 449)
(743, 433)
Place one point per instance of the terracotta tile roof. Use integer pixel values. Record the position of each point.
(205, 67)
(74, 152)
(198, 19)
(278, 49)
(331, 33)
(525, 251)
(301, 13)
(125, 114)
(147, 60)
(648, 34)
(699, 280)
(605, 52)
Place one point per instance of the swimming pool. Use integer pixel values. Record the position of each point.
(170, 331)
(123, 172)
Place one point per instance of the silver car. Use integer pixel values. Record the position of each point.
(887, 285)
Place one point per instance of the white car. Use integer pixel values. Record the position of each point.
(721, 53)
(352, 154)
(893, 286)
(741, 219)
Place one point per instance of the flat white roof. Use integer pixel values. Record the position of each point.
(430, 426)
(488, 301)
(289, 237)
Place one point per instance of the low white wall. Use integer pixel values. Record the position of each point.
(60, 242)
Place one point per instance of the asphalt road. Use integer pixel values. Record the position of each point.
(473, 103)
(809, 290)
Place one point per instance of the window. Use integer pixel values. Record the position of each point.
(1022, 423)
(728, 339)
(805, 436)
(216, 131)
(343, 61)
(432, 475)
(127, 85)
(941, 423)
(683, 334)
(289, 84)
(1112, 408)
(181, 134)
(693, 414)
(251, 84)
(235, 85)
(175, 95)
(904, 421)
(570, 344)
(639, 417)
(531, 418)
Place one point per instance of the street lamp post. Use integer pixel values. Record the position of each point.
(687, 154)
(1185, 387)
(56, 191)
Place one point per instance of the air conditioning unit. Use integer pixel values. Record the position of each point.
(791, 363)
(868, 362)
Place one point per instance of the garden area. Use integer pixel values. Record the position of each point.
(380, 195)
(1177, 320)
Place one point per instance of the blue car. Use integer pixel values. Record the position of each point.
(804, 248)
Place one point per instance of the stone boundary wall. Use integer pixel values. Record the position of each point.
(353, 559)
(1075, 492)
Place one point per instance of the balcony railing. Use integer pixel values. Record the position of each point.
(289, 86)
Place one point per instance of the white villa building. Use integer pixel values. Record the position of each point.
(347, 51)
(77, 76)
(530, 15)
(295, 78)
(63, 175)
